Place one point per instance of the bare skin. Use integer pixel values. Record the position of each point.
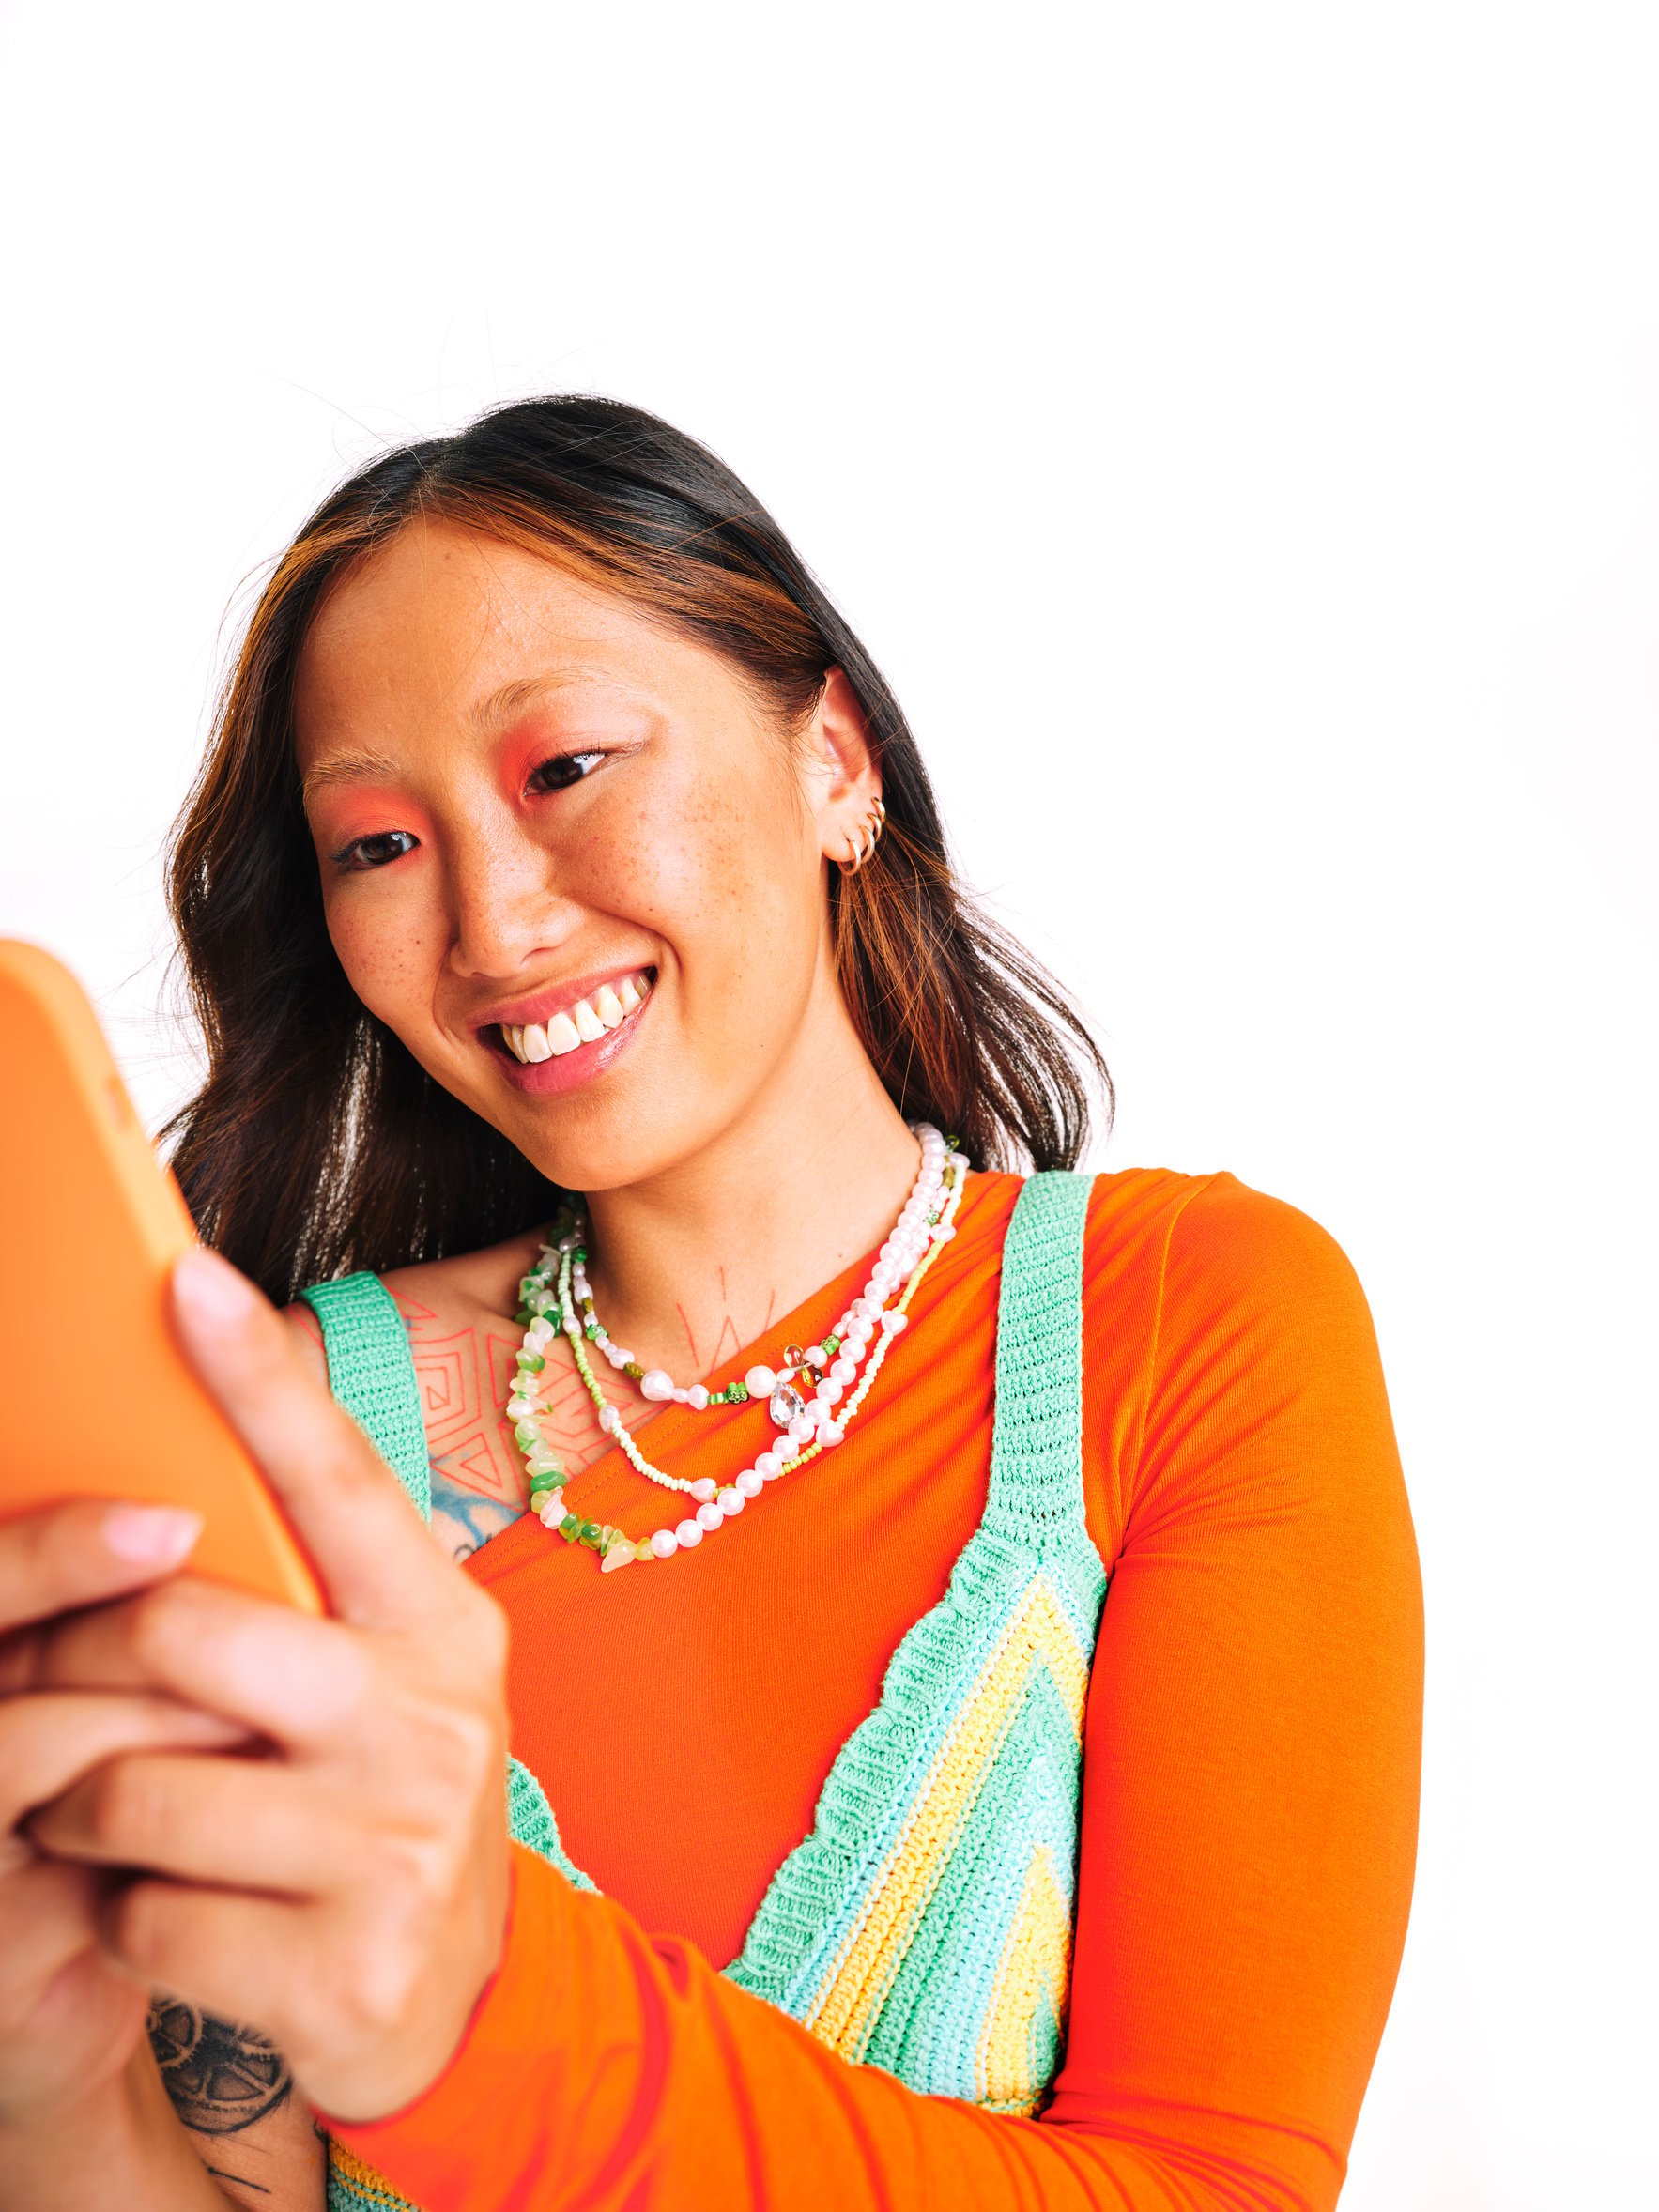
(519, 788)
(464, 1338)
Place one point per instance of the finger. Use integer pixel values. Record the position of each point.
(264, 1665)
(85, 1550)
(48, 1744)
(379, 1566)
(362, 2009)
(229, 1954)
(242, 1824)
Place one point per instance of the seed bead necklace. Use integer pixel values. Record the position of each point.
(810, 1426)
(786, 1404)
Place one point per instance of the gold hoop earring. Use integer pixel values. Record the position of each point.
(863, 842)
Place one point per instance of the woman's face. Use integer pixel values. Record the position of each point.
(535, 811)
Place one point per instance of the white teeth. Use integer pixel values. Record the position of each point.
(535, 1041)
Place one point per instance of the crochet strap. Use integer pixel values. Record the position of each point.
(925, 1923)
(371, 1374)
(1037, 1444)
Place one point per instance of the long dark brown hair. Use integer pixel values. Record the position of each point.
(317, 1143)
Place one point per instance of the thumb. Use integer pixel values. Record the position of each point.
(377, 1562)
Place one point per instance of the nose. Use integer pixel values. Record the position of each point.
(505, 904)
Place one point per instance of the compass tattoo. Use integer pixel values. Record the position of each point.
(221, 2077)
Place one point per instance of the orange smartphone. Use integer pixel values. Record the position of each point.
(97, 1398)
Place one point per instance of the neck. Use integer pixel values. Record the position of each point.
(691, 1265)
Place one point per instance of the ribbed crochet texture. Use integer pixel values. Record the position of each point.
(371, 1374)
(925, 1923)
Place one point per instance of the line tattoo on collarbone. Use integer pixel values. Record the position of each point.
(221, 2077)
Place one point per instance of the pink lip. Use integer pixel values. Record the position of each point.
(542, 1078)
(556, 998)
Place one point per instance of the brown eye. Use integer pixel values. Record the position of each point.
(375, 850)
(562, 770)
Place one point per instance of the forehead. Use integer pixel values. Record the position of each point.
(443, 625)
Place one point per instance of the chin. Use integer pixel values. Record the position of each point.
(635, 1129)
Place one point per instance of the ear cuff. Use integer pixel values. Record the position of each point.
(864, 841)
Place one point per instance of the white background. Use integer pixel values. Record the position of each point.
(1235, 430)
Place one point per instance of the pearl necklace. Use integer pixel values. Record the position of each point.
(810, 1426)
(656, 1382)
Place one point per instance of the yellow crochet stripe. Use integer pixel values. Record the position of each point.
(1034, 1974)
(1035, 1968)
(849, 1999)
(354, 2182)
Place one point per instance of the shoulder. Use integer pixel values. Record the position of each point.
(1212, 1310)
(1236, 1353)
(1213, 1244)
(438, 1299)
(448, 1293)
(459, 1293)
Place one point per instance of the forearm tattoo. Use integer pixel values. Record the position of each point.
(221, 2077)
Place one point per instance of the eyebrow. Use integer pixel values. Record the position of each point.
(347, 767)
(513, 698)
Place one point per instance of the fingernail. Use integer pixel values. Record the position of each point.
(211, 1289)
(150, 1535)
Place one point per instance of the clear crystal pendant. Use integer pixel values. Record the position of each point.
(784, 1404)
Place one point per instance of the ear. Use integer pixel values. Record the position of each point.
(844, 784)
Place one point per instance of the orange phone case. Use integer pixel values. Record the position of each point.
(96, 1396)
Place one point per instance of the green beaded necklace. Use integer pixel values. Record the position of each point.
(538, 1300)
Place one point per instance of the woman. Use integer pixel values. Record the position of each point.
(596, 1029)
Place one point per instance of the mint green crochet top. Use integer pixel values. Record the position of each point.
(925, 1924)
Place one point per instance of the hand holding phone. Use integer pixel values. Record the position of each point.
(370, 1828)
(346, 1891)
(96, 1397)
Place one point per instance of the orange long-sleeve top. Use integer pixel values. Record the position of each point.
(1249, 1776)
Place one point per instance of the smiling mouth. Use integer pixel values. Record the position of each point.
(583, 1023)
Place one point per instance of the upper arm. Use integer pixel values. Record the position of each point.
(233, 2093)
(1252, 1733)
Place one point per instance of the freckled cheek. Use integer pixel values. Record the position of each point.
(708, 876)
(387, 949)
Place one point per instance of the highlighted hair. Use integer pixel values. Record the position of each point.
(318, 1143)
